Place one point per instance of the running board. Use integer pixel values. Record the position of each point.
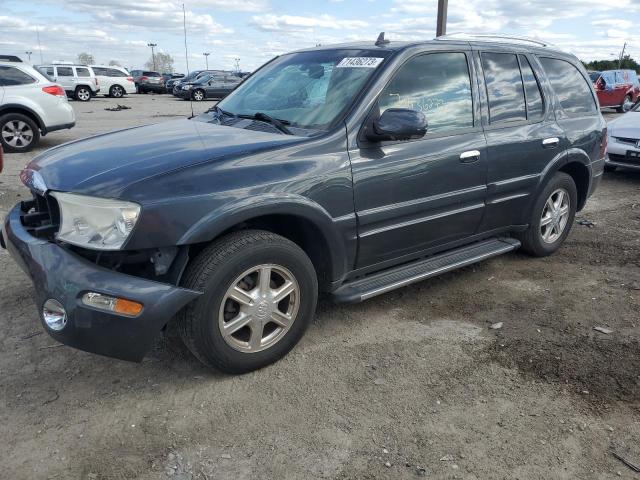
(387, 280)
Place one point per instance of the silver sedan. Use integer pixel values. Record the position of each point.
(623, 148)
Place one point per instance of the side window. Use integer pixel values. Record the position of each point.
(112, 72)
(535, 107)
(570, 86)
(99, 71)
(83, 72)
(436, 84)
(11, 76)
(65, 71)
(49, 71)
(504, 87)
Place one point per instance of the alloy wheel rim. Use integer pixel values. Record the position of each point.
(83, 94)
(198, 95)
(555, 216)
(17, 134)
(117, 92)
(259, 308)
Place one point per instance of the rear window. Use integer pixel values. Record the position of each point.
(151, 74)
(99, 71)
(572, 89)
(533, 94)
(504, 87)
(116, 73)
(11, 76)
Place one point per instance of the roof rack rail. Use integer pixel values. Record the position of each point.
(491, 38)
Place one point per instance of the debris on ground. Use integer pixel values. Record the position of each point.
(586, 223)
(632, 466)
(604, 330)
(496, 326)
(447, 458)
(117, 108)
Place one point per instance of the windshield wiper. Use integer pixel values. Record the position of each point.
(263, 117)
(220, 111)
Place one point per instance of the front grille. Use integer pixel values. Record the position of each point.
(624, 159)
(41, 216)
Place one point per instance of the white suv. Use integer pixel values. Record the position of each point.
(114, 81)
(30, 106)
(78, 81)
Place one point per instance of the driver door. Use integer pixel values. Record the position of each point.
(418, 195)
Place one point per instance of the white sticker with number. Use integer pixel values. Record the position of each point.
(360, 62)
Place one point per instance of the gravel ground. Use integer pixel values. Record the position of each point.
(413, 383)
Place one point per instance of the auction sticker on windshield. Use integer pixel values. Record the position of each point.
(360, 62)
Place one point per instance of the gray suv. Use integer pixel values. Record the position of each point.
(347, 170)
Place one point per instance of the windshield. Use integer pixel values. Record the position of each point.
(203, 79)
(308, 89)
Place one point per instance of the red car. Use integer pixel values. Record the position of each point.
(616, 88)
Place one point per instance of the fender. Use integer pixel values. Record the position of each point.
(18, 106)
(231, 214)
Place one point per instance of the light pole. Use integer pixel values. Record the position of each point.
(441, 25)
(153, 55)
(206, 58)
(29, 55)
(237, 60)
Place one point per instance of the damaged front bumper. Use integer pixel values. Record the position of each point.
(59, 274)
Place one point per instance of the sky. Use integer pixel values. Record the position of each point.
(256, 30)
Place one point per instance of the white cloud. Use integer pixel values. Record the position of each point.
(298, 23)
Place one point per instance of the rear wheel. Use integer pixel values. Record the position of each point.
(83, 94)
(116, 91)
(259, 296)
(552, 217)
(18, 133)
(626, 105)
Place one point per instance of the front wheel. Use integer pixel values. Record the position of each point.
(259, 296)
(626, 105)
(198, 95)
(552, 217)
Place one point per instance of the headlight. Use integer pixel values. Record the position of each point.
(187, 87)
(98, 223)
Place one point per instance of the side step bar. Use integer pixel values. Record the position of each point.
(387, 280)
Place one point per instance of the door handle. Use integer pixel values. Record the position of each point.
(470, 156)
(550, 142)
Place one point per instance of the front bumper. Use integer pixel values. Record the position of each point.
(186, 94)
(617, 154)
(60, 274)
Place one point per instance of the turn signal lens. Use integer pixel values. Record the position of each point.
(604, 143)
(112, 304)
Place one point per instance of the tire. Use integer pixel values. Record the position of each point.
(239, 260)
(82, 94)
(198, 95)
(533, 241)
(610, 168)
(27, 136)
(626, 101)
(116, 91)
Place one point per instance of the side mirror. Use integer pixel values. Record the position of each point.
(398, 124)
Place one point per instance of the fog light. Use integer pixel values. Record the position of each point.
(54, 315)
(112, 304)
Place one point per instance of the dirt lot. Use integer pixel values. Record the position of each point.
(410, 384)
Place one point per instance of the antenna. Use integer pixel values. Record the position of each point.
(186, 56)
(381, 40)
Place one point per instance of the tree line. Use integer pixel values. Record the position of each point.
(627, 63)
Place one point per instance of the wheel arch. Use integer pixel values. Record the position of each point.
(21, 109)
(299, 219)
(575, 163)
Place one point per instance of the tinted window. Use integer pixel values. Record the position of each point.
(594, 76)
(99, 70)
(504, 87)
(151, 74)
(435, 84)
(83, 72)
(570, 86)
(112, 72)
(65, 71)
(10, 76)
(531, 90)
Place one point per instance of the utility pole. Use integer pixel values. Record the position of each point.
(237, 60)
(206, 57)
(621, 55)
(29, 55)
(153, 55)
(441, 25)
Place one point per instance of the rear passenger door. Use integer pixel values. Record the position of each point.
(65, 77)
(419, 195)
(522, 134)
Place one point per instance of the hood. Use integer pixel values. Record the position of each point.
(627, 125)
(106, 164)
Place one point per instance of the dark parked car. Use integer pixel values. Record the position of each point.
(217, 85)
(148, 81)
(170, 79)
(190, 78)
(350, 170)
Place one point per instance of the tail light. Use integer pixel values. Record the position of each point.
(144, 79)
(603, 143)
(55, 90)
(130, 79)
